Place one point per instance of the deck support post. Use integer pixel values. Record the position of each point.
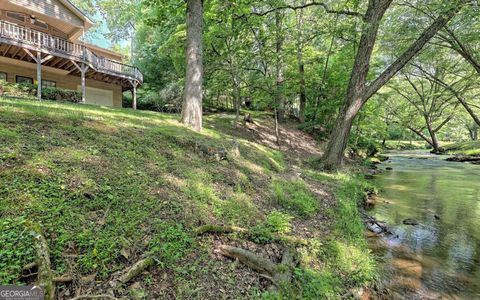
(83, 68)
(39, 75)
(39, 60)
(134, 93)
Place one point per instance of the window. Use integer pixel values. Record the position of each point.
(48, 83)
(3, 76)
(39, 24)
(24, 80)
(16, 16)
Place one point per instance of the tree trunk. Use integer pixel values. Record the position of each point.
(303, 94)
(236, 95)
(301, 69)
(420, 134)
(357, 92)
(433, 136)
(354, 98)
(192, 104)
(473, 132)
(279, 97)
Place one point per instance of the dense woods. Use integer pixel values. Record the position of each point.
(317, 62)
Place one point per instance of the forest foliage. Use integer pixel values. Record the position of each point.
(297, 57)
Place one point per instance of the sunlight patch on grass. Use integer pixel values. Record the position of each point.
(294, 196)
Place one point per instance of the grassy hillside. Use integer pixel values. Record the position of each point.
(108, 187)
(464, 148)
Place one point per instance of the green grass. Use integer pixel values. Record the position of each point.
(405, 145)
(464, 148)
(295, 196)
(110, 185)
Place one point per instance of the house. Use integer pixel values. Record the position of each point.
(40, 43)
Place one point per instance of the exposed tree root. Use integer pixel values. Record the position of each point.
(213, 229)
(283, 274)
(279, 274)
(47, 281)
(45, 277)
(250, 259)
(132, 272)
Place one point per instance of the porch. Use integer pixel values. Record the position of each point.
(44, 50)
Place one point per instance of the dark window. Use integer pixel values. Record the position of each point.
(39, 24)
(22, 79)
(3, 76)
(49, 83)
(16, 16)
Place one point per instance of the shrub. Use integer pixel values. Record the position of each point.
(23, 90)
(169, 99)
(51, 93)
(279, 222)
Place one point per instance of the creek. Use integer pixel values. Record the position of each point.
(440, 257)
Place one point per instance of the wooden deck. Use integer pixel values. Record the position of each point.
(66, 55)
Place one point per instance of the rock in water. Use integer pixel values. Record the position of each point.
(410, 222)
(389, 168)
(437, 217)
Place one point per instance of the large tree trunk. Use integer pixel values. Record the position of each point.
(301, 68)
(357, 92)
(279, 95)
(433, 136)
(236, 95)
(192, 104)
(354, 98)
(303, 93)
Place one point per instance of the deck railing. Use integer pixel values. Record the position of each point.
(55, 45)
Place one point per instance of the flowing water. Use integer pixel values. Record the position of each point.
(440, 257)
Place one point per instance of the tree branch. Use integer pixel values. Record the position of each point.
(457, 95)
(418, 45)
(314, 3)
(420, 134)
(443, 124)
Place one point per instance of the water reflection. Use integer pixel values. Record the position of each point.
(439, 258)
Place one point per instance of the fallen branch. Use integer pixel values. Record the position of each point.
(375, 226)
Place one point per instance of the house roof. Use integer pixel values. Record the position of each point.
(106, 52)
(88, 22)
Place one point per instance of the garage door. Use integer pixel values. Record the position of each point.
(98, 96)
